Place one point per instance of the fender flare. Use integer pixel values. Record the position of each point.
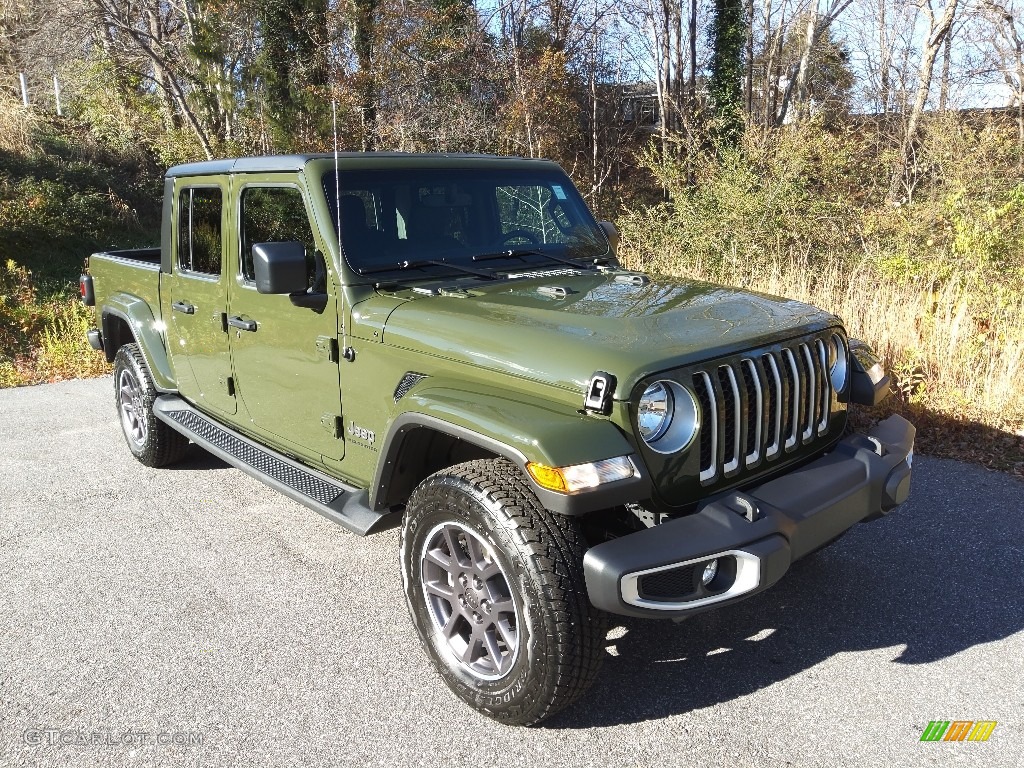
(520, 429)
(145, 330)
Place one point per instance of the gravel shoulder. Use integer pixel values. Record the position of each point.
(223, 624)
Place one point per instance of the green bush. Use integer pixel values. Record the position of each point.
(42, 337)
(774, 193)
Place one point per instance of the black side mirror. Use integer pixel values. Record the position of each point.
(612, 233)
(280, 267)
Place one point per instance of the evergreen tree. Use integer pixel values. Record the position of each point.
(292, 69)
(728, 33)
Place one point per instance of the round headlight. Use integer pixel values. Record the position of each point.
(655, 412)
(668, 417)
(839, 362)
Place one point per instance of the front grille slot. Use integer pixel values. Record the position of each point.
(755, 411)
(731, 418)
(774, 405)
(759, 407)
(825, 390)
(809, 411)
(794, 401)
(708, 402)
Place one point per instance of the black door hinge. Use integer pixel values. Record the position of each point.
(331, 423)
(327, 346)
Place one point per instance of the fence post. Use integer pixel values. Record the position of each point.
(56, 95)
(24, 88)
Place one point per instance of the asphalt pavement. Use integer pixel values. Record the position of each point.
(193, 616)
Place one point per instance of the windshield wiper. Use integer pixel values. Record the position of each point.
(402, 265)
(522, 253)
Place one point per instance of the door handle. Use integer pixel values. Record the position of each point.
(245, 325)
(183, 306)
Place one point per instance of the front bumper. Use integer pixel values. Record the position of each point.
(755, 535)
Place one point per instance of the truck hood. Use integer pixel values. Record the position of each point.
(603, 322)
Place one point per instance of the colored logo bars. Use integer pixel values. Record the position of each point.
(958, 730)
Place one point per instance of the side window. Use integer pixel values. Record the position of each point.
(199, 230)
(273, 215)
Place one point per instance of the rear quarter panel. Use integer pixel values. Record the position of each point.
(129, 289)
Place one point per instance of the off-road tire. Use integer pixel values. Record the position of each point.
(559, 637)
(150, 440)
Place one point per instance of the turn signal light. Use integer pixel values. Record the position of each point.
(581, 477)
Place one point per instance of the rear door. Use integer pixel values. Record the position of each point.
(197, 333)
(285, 356)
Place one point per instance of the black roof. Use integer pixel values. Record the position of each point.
(270, 163)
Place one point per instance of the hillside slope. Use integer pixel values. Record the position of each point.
(62, 196)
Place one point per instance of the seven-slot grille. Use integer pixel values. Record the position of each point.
(761, 406)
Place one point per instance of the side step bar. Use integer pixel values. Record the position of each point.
(330, 497)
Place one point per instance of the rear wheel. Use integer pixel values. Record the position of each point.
(150, 440)
(495, 588)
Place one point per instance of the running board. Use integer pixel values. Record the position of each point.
(330, 497)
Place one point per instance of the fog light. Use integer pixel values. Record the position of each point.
(710, 571)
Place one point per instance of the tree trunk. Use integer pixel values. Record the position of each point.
(748, 55)
(803, 108)
(595, 185)
(679, 88)
(937, 36)
(170, 116)
(691, 88)
(692, 84)
(365, 24)
(666, 68)
(780, 39)
(947, 53)
(661, 76)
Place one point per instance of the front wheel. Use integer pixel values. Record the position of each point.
(495, 588)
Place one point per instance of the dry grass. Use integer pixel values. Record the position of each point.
(950, 349)
(17, 125)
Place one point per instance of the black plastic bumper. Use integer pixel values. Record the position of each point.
(754, 535)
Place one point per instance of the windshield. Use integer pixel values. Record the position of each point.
(454, 216)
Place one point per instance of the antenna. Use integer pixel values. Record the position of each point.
(347, 352)
(337, 181)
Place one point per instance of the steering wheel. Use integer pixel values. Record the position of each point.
(517, 234)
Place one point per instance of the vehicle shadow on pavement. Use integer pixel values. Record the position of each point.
(938, 576)
(197, 459)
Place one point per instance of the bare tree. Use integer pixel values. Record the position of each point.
(1007, 43)
(939, 26)
(817, 24)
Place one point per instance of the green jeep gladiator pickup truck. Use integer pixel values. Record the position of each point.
(448, 343)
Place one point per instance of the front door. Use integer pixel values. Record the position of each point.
(196, 310)
(284, 355)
